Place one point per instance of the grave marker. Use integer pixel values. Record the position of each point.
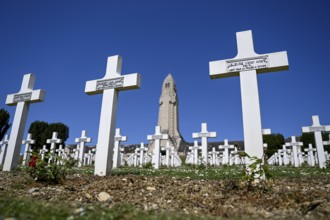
(82, 140)
(157, 137)
(310, 155)
(295, 145)
(53, 141)
(22, 100)
(285, 155)
(226, 146)
(246, 65)
(27, 151)
(317, 128)
(204, 135)
(43, 151)
(109, 86)
(194, 150)
(167, 149)
(116, 149)
(4, 145)
(142, 149)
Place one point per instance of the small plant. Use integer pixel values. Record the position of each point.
(147, 165)
(53, 171)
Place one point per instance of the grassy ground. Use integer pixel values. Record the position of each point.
(28, 208)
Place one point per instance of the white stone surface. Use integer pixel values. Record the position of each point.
(109, 85)
(295, 150)
(27, 150)
(157, 137)
(22, 100)
(81, 141)
(317, 128)
(204, 135)
(247, 64)
(4, 146)
(226, 146)
(116, 149)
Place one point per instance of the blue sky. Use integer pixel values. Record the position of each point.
(66, 43)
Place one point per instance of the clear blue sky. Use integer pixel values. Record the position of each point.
(66, 43)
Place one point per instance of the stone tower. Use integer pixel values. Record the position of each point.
(168, 118)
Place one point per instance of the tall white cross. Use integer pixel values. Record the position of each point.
(116, 149)
(226, 146)
(157, 137)
(142, 150)
(194, 150)
(82, 140)
(204, 135)
(53, 141)
(27, 150)
(43, 151)
(4, 146)
(295, 145)
(317, 128)
(22, 99)
(167, 149)
(109, 86)
(246, 65)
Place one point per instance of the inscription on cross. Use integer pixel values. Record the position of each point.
(246, 65)
(109, 86)
(317, 129)
(22, 100)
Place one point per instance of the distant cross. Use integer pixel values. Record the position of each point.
(280, 159)
(310, 154)
(4, 145)
(22, 99)
(109, 86)
(157, 137)
(317, 129)
(214, 155)
(295, 145)
(194, 150)
(226, 146)
(82, 140)
(167, 149)
(53, 141)
(60, 154)
(285, 155)
(204, 135)
(173, 154)
(246, 65)
(27, 150)
(116, 149)
(43, 151)
(142, 150)
(90, 155)
(136, 155)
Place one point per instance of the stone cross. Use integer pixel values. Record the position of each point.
(53, 141)
(142, 149)
(194, 150)
(4, 145)
(90, 155)
(204, 135)
(285, 155)
(280, 159)
(310, 155)
(116, 153)
(43, 151)
(135, 163)
(246, 65)
(173, 154)
(214, 155)
(295, 145)
(109, 86)
(226, 146)
(167, 148)
(27, 150)
(82, 140)
(60, 154)
(317, 128)
(22, 99)
(157, 137)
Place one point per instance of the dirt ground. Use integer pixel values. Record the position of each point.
(307, 198)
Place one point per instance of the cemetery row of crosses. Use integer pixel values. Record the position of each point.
(166, 143)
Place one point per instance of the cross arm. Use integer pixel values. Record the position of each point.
(29, 96)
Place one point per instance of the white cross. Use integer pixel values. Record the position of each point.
(285, 155)
(310, 150)
(82, 140)
(109, 85)
(27, 150)
(157, 137)
(204, 135)
(60, 154)
(4, 145)
(226, 146)
(53, 141)
(173, 155)
(43, 151)
(317, 128)
(90, 156)
(214, 155)
(22, 99)
(142, 149)
(167, 148)
(194, 149)
(295, 145)
(246, 65)
(116, 153)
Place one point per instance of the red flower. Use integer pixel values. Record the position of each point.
(33, 161)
